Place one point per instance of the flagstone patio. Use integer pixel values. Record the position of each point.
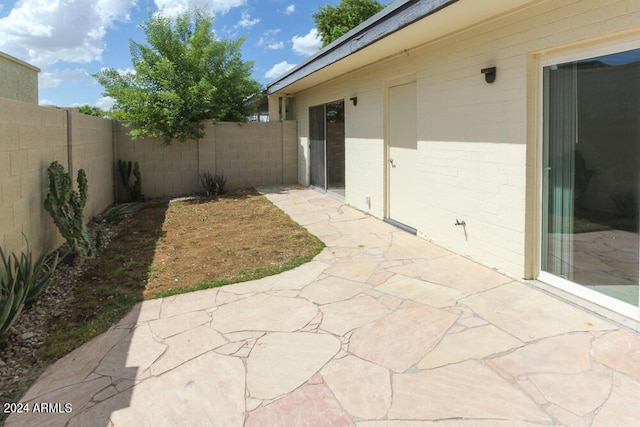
(381, 329)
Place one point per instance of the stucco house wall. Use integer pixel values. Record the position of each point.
(478, 143)
(18, 80)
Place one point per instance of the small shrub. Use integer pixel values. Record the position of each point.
(65, 207)
(134, 191)
(213, 184)
(117, 212)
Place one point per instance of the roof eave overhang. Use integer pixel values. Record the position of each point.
(391, 19)
(402, 26)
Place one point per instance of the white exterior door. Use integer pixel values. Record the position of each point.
(402, 159)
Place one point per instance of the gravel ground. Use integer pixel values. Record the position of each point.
(20, 365)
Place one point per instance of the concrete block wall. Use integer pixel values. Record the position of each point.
(31, 137)
(478, 143)
(19, 80)
(92, 150)
(253, 154)
(247, 154)
(165, 170)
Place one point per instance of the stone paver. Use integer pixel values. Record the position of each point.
(465, 390)
(372, 398)
(538, 315)
(620, 351)
(402, 338)
(281, 362)
(454, 348)
(564, 354)
(310, 405)
(381, 329)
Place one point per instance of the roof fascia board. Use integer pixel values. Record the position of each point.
(391, 19)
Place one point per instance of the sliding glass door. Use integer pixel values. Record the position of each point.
(317, 147)
(591, 172)
(327, 147)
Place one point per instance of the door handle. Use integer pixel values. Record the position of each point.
(392, 163)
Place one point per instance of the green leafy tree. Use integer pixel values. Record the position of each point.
(91, 111)
(333, 22)
(183, 76)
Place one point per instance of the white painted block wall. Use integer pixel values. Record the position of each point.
(478, 143)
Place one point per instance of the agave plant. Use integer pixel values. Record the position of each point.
(36, 274)
(13, 293)
(213, 184)
(117, 212)
(21, 281)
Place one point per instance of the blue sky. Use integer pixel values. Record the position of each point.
(71, 39)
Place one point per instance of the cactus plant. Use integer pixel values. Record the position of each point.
(134, 190)
(65, 207)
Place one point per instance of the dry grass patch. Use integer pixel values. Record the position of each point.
(206, 242)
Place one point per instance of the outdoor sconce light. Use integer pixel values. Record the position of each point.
(354, 100)
(489, 74)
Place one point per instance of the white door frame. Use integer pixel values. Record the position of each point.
(561, 56)
(406, 79)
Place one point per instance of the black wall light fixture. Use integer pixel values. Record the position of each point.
(489, 74)
(354, 100)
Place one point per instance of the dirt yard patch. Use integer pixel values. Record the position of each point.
(216, 241)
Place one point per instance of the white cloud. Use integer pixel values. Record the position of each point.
(46, 102)
(276, 45)
(290, 9)
(175, 7)
(126, 71)
(48, 80)
(105, 103)
(246, 21)
(268, 37)
(279, 69)
(307, 45)
(43, 32)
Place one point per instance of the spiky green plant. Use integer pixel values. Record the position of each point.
(134, 190)
(213, 184)
(21, 281)
(13, 293)
(65, 207)
(36, 274)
